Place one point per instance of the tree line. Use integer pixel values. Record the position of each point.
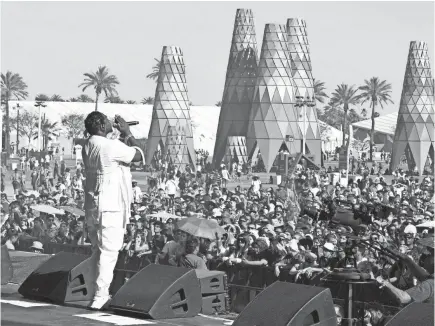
(339, 110)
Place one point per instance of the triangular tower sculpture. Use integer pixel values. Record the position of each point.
(414, 134)
(299, 53)
(176, 151)
(273, 118)
(238, 91)
(171, 104)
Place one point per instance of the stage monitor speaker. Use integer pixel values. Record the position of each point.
(65, 277)
(7, 269)
(213, 304)
(289, 304)
(420, 314)
(212, 282)
(160, 292)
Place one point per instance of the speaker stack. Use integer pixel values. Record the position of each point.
(214, 291)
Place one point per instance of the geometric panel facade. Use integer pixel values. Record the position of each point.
(299, 53)
(176, 151)
(239, 88)
(236, 149)
(171, 104)
(273, 120)
(414, 135)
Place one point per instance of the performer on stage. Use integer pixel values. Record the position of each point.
(108, 195)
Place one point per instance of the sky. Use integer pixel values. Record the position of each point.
(51, 44)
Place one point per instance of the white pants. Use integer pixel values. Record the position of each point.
(107, 238)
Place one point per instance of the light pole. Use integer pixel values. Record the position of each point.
(38, 104)
(18, 126)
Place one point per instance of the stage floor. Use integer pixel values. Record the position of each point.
(19, 311)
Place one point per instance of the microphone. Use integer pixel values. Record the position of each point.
(132, 123)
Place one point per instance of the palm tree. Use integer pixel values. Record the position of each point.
(12, 86)
(73, 99)
(376, 92)
(102, 82)
(113, 99)
(147, 100)
(156, 68)
(85, 98)
(346, 96)
(42, 98)
(130, 102)
(56, 98)
(319, 91)
(48, 130)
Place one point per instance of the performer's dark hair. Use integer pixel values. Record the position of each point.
(93, 122)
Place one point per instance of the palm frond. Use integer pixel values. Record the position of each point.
(101, 81)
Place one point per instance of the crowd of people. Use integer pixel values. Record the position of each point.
(288, 227)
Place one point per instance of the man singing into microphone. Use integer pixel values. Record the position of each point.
(108, 195)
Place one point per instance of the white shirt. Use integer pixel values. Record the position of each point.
(108, 178)
(171, 187)
(256, 185)
(225, 174)
(137, 194)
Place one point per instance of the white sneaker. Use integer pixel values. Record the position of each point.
(99, 303)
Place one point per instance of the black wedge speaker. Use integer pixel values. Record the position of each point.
(160, 292)
(288, 304)
(420, 314)
(65, 277)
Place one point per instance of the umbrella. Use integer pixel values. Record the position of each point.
(47, 209)
(201, 228)
(211, 203)
(428, 224)
(73, 210)
(427, 242)
(164, 216)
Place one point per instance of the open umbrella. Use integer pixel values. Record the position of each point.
(164, 216)
(73, 210)
(428, 224)
(201, 228)
(427, 242)
(47, 209)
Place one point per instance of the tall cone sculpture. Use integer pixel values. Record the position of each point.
(273, 118)
(176, 151)
(171, 104)
(414, 134)
(299, 53)
(238, 92)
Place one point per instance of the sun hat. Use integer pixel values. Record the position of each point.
(329, 246)
(37, 245)
(410, 229)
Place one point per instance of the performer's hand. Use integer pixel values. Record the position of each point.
(122, 125)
